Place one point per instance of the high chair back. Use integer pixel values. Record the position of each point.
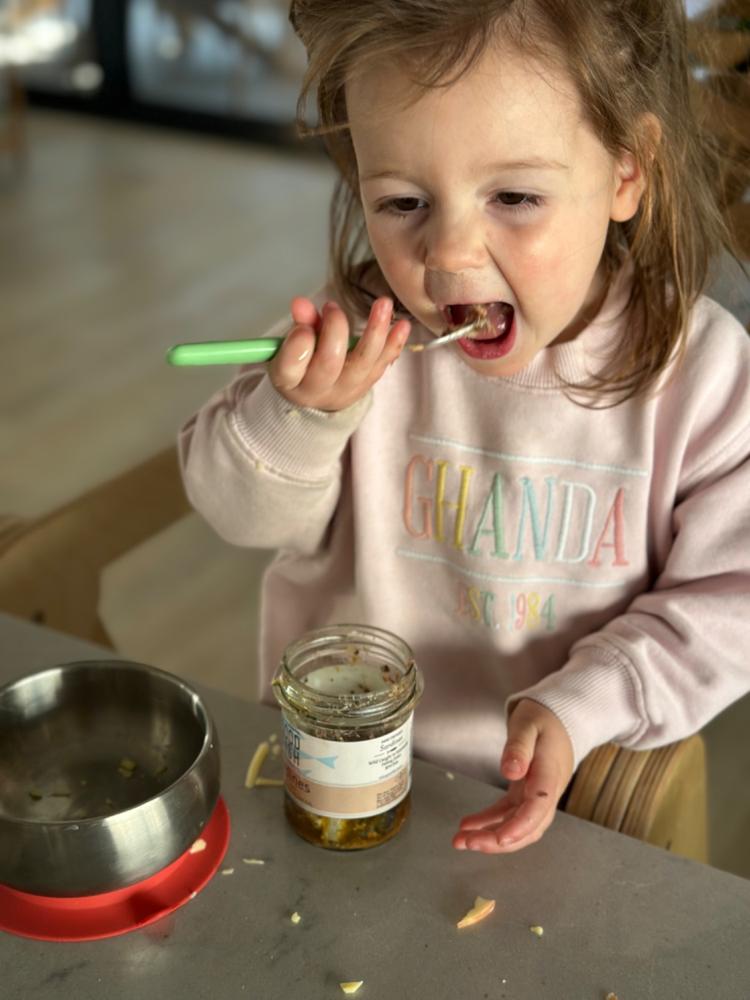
(658, 796)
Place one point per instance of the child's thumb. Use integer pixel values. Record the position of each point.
(519, 747)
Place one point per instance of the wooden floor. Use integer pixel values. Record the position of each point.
(115, 243)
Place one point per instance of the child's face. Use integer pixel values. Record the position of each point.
(491, 190)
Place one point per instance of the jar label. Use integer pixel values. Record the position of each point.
(348, 779)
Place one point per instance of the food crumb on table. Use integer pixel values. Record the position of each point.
(351, 987)
(481, 909)
(253, 861)
(199, 845)
(536, 929)
(253, 768)
(227, 871)
(295, 918)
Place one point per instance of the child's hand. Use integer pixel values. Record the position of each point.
(538, 762)
(312, 367)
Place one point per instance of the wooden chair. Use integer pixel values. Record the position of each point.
(51, 566)
(658, 796)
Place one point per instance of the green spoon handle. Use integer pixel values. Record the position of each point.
(228, 352)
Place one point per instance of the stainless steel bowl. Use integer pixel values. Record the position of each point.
(109, 771)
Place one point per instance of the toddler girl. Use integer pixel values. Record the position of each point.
(554, 514)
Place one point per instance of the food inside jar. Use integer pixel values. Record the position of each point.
(351, 678)
(346, 834)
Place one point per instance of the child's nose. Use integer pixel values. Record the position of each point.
(454, 245)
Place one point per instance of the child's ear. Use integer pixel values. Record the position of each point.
(630, 170)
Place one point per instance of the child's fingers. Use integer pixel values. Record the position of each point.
(489, 816)
(528, 822)
(394, 345)
(541, 789)
(370, 345)
(518, 751)
(360, 375)
(377, 348)
(321, 371)
(515, 760)
(292, 359)
(522, 826)
(538, 750)
(495, 840)
(329, 356)
(304, 312)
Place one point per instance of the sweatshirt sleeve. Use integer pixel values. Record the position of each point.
(680, 653)
(263, 472)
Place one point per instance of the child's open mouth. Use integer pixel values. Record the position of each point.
(493, 340)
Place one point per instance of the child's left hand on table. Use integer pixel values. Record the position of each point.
(538, 762)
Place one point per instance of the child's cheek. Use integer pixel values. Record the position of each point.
(384, 247)
(534, 270)
(558, 261)
(395, 263)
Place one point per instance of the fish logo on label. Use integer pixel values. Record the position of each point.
(293, 744)
(327, 761)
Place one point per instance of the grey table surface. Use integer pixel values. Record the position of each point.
(618, 915)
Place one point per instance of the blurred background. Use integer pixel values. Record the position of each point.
(153, 190)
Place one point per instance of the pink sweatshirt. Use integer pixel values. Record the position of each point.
(597, 561)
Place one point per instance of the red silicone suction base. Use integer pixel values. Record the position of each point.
(88, 918)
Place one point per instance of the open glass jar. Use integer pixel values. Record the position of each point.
(347, 694)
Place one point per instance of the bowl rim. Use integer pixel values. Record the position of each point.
(209, 742)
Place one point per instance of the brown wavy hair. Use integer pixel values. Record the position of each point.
(629, 61)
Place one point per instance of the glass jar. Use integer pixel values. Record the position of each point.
(347, 694)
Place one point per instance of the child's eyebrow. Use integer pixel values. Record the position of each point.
(530, 163)
(373, 175)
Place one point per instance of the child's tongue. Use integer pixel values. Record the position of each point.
(498, 316)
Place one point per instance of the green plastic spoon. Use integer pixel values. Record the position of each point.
(228, 352)
(249, 352)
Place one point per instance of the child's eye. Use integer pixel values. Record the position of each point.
(517, 199)
(401, 206)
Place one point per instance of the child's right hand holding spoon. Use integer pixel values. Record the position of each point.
(314, 368)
